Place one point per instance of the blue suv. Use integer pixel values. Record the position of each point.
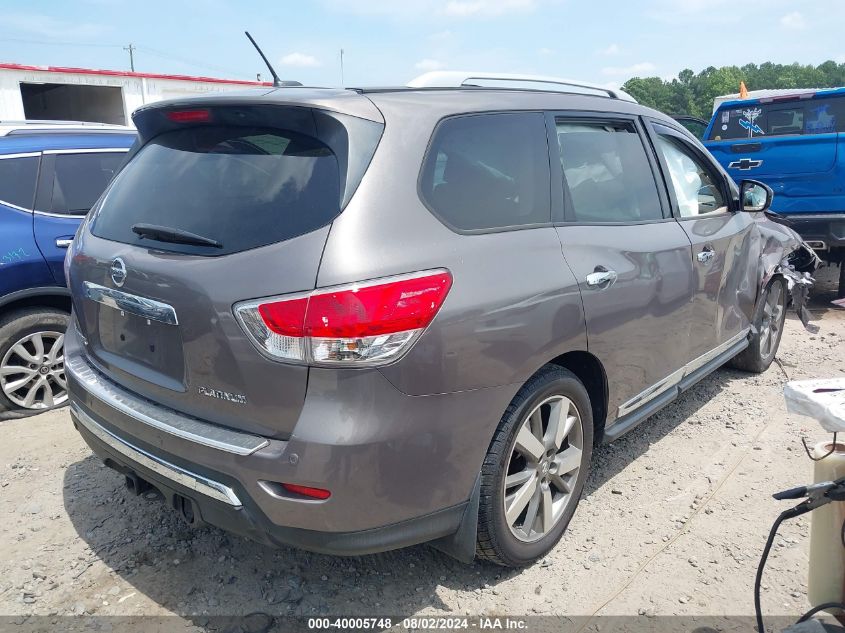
(51, 174)
(795, 144)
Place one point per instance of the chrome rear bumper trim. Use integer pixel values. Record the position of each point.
(171, 472)
(159, 417)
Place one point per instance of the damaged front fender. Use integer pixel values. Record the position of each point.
(783, 252)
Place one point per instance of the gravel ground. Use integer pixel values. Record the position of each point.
(672, 522)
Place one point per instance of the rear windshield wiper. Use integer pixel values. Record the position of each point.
(176, 236)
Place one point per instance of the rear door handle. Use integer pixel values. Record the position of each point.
(64, 242)
(602, 277)
(706, 255)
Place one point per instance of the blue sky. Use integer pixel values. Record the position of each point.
(391, 41)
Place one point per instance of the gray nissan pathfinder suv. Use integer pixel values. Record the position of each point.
(356, 320)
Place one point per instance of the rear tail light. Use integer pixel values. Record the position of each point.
(370, 323)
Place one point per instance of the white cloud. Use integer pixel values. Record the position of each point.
(416, 8)
(440, 36)
(466, 8)
(428, 65)
(545, 51)
(632, 71)
(299, 59)
(46, 26)
(613, 49)
(794, 20)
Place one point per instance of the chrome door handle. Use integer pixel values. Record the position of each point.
(64, 242)
(706, 255)
(601, 277)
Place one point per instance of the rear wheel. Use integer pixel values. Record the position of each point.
(32, 372)
(764, 343)
(535, 469)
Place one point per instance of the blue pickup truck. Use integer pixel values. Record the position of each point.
(51, 174)
(796, 145)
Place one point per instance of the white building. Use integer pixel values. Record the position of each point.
(106, 96)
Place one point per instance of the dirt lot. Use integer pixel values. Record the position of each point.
(673, 520)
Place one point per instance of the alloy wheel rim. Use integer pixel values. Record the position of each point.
(32, 372)
(543, 468)
(772, 317)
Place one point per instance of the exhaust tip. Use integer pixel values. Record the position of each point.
(186, 510)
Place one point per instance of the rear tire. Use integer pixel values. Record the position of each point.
(768, 323)
(535, 468)
(32, 360)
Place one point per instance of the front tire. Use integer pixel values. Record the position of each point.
(32, 377)
(535, 469)
(768, 323)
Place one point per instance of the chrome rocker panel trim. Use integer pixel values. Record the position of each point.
(158, 417)
(676, 377)
(171, 472)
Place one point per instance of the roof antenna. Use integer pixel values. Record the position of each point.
(277, 83)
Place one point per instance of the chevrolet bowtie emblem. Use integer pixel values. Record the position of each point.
(745, 164)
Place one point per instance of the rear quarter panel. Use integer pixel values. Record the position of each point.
(514, 304)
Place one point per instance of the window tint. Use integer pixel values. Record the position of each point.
(489, 171)
(696, 185)
(244, 187)
(80, 179)
(782, 122)
(814, 116)
(17, 181)
(607, 173)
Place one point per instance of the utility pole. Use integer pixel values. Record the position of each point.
(131, 50)
(341, 68)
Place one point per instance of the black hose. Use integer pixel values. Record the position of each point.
(786, 514)
(821, 607)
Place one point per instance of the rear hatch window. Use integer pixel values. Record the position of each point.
(242, 187)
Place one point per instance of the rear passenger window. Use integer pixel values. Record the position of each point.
(489, 171)
(607, 172)
(81, 178)
(17, 181)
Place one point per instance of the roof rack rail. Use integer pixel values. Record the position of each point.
(461, 79)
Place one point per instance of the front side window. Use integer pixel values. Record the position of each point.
(80, 179)
(695, 184)
(489, 171)
(607, 173)
(17, 181)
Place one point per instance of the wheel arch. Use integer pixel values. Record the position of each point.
(590, 371)
(53, 297)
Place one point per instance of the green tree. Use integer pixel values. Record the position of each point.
(693, 94)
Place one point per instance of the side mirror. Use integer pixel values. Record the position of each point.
(755, 196)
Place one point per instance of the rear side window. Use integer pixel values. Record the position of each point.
(489, 171)
(80, 179)
(812, 116)
(243, 187)
(607, 173)
(17, 181)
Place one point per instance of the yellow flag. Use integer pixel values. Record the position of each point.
(743, 91)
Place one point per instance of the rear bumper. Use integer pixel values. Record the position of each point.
(821, 230)
(221, 505)
(401, 469)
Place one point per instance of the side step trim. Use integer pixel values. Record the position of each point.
(695, 371)
(171, 472)
(159, 417)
